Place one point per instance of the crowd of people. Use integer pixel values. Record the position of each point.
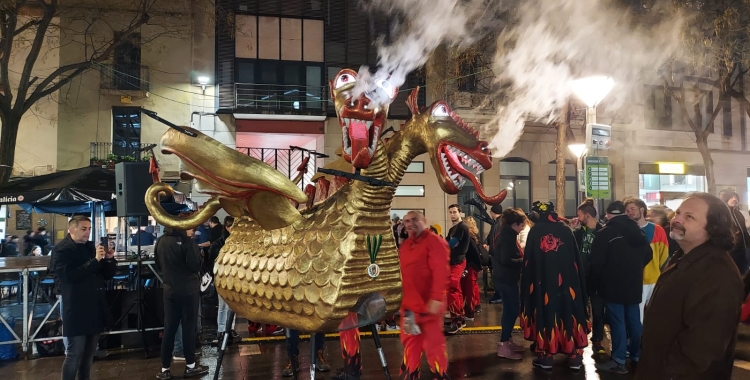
(636, 270)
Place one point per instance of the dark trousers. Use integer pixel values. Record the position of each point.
(597, 318)
(292, 342)
(511, 309)
(79, 354)
(179, 309)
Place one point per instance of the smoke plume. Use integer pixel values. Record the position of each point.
(420, 26)
(544, 46)
(555, 42)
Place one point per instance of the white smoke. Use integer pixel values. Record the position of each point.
(547, 45)
(557, 41)
(426, 24)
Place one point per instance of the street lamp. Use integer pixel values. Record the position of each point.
(590, 90)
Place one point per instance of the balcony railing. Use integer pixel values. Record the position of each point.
(124, 77)
(281, 98)
(284, 160)
(108, 154)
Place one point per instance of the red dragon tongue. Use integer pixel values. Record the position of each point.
(360, 138)
(493, 200)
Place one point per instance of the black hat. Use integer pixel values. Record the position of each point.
(497, 209)
(616, 208)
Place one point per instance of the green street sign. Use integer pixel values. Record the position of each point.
(598, 177)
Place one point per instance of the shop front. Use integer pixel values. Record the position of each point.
(667, 183)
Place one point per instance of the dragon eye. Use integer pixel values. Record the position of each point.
(344, 79)
(440, 110)
(385, 86)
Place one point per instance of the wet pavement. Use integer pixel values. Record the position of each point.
(471, 355)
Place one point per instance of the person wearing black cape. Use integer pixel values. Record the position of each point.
(553, 291)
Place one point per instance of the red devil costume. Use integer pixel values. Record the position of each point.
(553, 295)
(424, 271)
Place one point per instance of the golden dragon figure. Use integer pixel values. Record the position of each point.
(305, 269)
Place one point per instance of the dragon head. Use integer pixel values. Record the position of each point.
(455, 150)
(360, 122)
(236, 182)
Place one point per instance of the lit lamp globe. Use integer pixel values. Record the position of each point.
(592, 90)
(577, 149)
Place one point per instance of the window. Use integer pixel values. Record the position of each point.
(657, 108)
(126, 130)
(410, 191)
(415, 167)
(279, 38)
(727, 116)
(571, 186)
(669, 189)
(127, 63)
(515, 176)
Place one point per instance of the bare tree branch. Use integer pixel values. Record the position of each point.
(36, 47)
(43, 90)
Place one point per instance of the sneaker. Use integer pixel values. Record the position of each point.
(198, 370)
(100, 354)
(575, 362)
(164, 375)
(478, 309)
(278, 332)
(598, 348)
(496, 301)
(544, 363)
(320, 364)
(504, 351)
(289, 370)
(516, 347)
(468, 318)
(392, 328)
(454, 328)
(613, 367)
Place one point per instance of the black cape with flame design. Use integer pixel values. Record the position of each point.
(553, 294)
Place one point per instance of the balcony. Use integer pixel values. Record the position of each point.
(124, 80)
(108, 154)
(280, 99)
(284, 160)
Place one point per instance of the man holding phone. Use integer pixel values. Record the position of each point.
(81, 269)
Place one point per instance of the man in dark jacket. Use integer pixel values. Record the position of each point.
(179, 259)
(618, 254)
(506, 275)
(589, 226)
(690, 324)
(494, 234)
(458, 240)
(81, 268)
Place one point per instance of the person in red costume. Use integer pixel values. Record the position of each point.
(424, 272)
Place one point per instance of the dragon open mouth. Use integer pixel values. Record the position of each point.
(458, 166)
(361, 133)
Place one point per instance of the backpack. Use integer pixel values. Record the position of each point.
(50, 347)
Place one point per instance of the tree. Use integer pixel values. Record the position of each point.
(717, 55)
(98, 27)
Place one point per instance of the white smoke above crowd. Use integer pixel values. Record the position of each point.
(540, 50)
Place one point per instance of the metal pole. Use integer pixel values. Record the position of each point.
(25, 287)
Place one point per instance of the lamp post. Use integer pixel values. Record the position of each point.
(591, 91)
(578, 150)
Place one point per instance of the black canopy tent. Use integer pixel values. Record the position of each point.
(85, 191)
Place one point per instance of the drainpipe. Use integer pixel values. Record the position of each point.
(200, 114)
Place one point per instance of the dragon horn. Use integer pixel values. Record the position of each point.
(411, 101)
(161, 216)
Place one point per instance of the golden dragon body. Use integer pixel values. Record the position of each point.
(306, 269)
